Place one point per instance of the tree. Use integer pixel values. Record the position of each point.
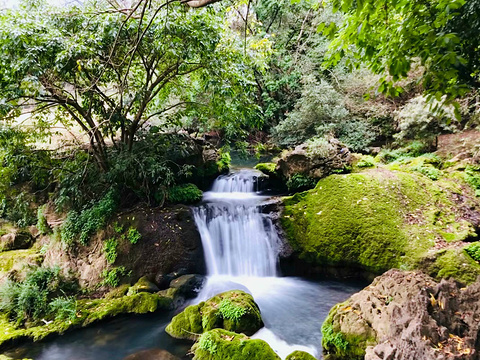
(107, 69)
(390, 36)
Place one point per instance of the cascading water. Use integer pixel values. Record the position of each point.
(241, 251)
(238, 240)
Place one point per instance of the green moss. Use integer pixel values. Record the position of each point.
(374, 220)
(219, 344)
(9, 258)
(455, 263)
(88, 312)
(232, 310)
(339, 345)
(266, 168)
(300, 355)
(366, 161)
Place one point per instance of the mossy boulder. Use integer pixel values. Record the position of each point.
(300, 355)
(377, 220)
(143, 285)
(15, 240)
(232, 310)
(219, 344)
(407, 314)
(151, 354)
(267, 168)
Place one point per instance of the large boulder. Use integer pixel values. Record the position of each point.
(405, 315)
(233, 310)
(316, 165)
(16, 240)
(219, 344)
(300, 355)
(369, 222)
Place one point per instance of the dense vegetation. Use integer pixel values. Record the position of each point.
(107, 108)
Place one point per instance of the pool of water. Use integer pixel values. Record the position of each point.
(293, 310)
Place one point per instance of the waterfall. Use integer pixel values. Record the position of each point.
(238, 240)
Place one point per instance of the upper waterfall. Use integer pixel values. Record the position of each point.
(238, 240)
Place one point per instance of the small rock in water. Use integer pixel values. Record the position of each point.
(152, 354)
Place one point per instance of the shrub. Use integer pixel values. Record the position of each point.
(472, 177)
(42, 224)
(298, 182)
(64, 308)
(223, 163)
(366, 161)
(318, 146)
(82, 225)
(110, 249)
(133, 235)
(184, 194)
(113, 276)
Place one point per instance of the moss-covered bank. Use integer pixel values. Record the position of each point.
(380, 219)
(232, 310)
(88, 312)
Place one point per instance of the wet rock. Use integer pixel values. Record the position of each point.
(406, 315)
(143, 285)
(188, 285)
(232, 310)
(219, 344)
(300, 161)
(152, 354)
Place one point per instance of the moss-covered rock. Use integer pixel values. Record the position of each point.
(232, 310)
(88, 312)
(219, 344)
(267, 168)
(143, 285)
(407, 314)
(300, 355)
(377, 220)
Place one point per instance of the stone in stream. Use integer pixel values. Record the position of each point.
(300, 355)
(143, 285)
(406, 315)
(219, 344)
(232, 310)
(188, 285)
(152, 354)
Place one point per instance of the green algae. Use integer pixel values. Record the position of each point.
(219, 344)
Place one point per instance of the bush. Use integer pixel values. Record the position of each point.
(357, 134)
(224, 162)
(414, 149)
(474, 251)
(133, 235)
(184, 194)
(42, 224)
(366, 161)
(472, 177)
(299, 182)
(82, 225)
(31, 298)
(318, 147)
(110, 249)
(427, 170)
(64, 308)
(113, 276)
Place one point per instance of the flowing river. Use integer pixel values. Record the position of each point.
(241, 249)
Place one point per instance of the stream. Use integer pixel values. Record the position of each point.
(241, 250)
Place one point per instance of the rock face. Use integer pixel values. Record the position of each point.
(299, 161)
(220, 344)
(232, 310)
(378, 219)
(169, 244)
(406, 315)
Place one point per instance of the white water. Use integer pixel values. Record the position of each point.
(241, 250)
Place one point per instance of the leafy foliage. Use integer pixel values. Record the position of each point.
(299, 182)
(230, 311)
(184, 194)
(33, 297)
(366, 161)
(391, 36)
(474, 251)
(133, 235)
(64, 308)
(472, 177)
(42, 224)
(112, 277)
(207, 343)
(110, 249)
